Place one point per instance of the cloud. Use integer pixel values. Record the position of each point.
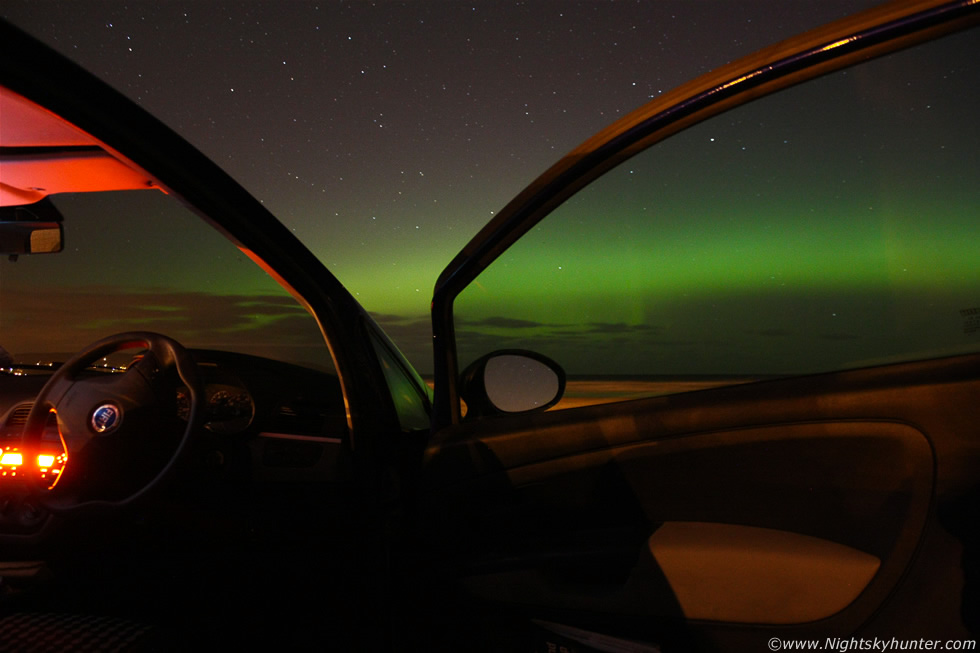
(412, 335)
(839, 336)
(500, 322)
(74, 318)
(620, 328)
(770, 333)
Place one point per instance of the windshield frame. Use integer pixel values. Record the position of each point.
(86, 102)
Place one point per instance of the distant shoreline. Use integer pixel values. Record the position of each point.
(666, 378)
(589, 390)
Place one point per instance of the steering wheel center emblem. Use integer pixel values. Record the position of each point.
(106, 418)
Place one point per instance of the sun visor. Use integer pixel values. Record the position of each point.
(42, 154)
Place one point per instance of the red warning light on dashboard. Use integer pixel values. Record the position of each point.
(48, 465)
(11, 460)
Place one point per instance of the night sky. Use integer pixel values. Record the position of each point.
(385, 134)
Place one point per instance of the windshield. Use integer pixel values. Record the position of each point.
(140, 260)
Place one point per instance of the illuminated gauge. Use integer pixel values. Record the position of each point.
(230, 411)
(228, 405)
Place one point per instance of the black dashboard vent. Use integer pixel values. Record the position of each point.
(18, 416)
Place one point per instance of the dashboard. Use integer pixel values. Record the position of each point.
(270, 429)
(245, 396)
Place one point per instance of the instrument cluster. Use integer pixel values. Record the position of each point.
(230, 408)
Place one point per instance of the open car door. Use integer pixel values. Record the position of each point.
(763, 290)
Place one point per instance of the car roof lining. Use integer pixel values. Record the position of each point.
(42, 154)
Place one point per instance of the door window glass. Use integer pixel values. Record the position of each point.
(830, 226)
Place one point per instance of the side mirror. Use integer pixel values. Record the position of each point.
(31, 229)
(511, 381)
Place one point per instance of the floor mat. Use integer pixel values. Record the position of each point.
(64, 632)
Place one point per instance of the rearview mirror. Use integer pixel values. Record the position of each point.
(30, 238)
(511, 381)
(31, 229)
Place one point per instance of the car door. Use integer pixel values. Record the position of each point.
(763, 288)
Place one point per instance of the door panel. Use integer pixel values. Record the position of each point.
(744, 574)
(793, 506)
(716, 572)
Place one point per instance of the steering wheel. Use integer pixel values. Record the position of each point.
(108, 422)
